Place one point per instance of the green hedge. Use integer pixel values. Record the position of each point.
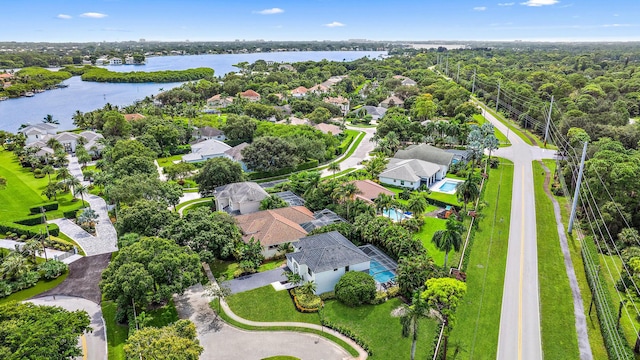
(348, 333)
(267, 174)
(50, 206)
(30, 220)
(71, 214)
(29, 231)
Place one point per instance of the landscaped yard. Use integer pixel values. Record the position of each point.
(373, 323)
(167, 161)
(502, 138)
(475, 335)
(431, 225)
(40, 287)
(223, 270)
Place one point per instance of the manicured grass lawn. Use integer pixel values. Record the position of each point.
(194, 201)
(502, 138)
(23, 191)
(193, 206)
(164, 162)
(281, 357)
(475, 334)
(431, 225)
(381, 331)
(222, 269)
(40, 287)
(559, 340)
(266, 304)
(117, 334)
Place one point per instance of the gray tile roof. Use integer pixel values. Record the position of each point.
(410, 169)
(322, 218)
(425, 152)
(236, 152)
(241, 192)
(327, 251)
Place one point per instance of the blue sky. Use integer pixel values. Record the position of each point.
(200, 20)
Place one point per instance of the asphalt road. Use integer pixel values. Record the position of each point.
(519, 336)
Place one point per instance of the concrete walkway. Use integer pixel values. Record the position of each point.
(361, 153)
(254, 281)
(94, 344)
(47, 253)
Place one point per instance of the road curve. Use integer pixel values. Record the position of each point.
(519, 337)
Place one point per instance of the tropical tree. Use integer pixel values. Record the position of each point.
(469, 190)
(54, 144)
(308, 288)
(31, 249)
(285, 248)
(346, 193)
(48, 169)
(417, 203)
(410, 316)
(334, 167)
(217, 291)
(81, 190)
(444, 295)
(13, 266)
(375, 166)
(272, 202)
(450, 238)
(165, 343)
(383, 202)
(48, 119)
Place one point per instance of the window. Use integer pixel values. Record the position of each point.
(401, 182)
(335, 269)
(394, 180)
(309, 272)
(346, 268)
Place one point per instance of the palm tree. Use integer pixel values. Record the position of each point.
(31, 248)
(468, 191)
(410, 320)
(335, 167)
(308, 288)
(346, 193)
(80, 189)
(63, 174)
(54, 144)
(48, 169)
(417, 204)
(13, 266)
(375, 166)
(450, 238)
(285, 248)
(50, 120)
(383, 202)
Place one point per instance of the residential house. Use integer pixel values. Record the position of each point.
(250, 95)
(94, 146)
(328, 128)
(207, 133)
(133, 117)
(376, 112)
(391, 101)
(340, 102)
(38, 132)
(299, 92)
(292, 120)
(369, 190)
(287, 67)
(411, 173)
(290, 198)
(68, 140)
(115, 61)
(204, 150)
(219, 101)
(319, 89)
(405, 80)
(5, 76)
(322, 218)
(129, 60)
(235, 154)
(427, 153)
(324, 258)
(274, 227)
(239, 198)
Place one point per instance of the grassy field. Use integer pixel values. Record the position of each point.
(502, 138)
(40, 287)
(431, 225)
(194, 201)
(167, 161)
(24, 191)
(373, 323)
(559, 340)
(224, 270)
(475, 334)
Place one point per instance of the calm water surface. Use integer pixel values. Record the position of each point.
(86, 96)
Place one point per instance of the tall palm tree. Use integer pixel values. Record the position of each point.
(345, 194)
(383, 202)
(375, 166)
(48, 169)
(63, 174)
(450, 238)
(410, 316)
(13, 266)
(468, 191)
(417, 204)
(54, 144)
(335, 167)
(50, 120)
(80, 189)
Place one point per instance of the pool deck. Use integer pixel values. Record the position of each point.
(436, 187)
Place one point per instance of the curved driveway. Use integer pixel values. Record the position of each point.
(519, 336)
(361, 153)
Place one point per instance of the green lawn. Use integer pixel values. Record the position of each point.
(559, 340)
(475, 335)
(40, 287)
(164, 162)
(281, 357)
(431, 225)
(24, 191)
(502, 138)
(373, 323)
(224, 270)
(194, 201)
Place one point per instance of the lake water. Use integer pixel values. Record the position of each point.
(86, 96)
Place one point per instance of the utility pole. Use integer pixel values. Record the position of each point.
(473, 85)
(577, 192)
(498, 97)
(46, 226)
(458, 76)
(546, 131)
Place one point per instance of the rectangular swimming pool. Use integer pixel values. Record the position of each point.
(380, 273)
(394, 214)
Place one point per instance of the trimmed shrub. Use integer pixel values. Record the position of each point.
(52, 269)
(71, 214)
(50, 206)
(329, 295)
(15, 230)
(30, 220)
(5, 289)
(306, 303)
(356, 288)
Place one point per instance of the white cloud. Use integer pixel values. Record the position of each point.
(480, 8)
(93, 15)
(334, 24)
(506, 4)
(64, 16)
(539, 2)
(271, 11)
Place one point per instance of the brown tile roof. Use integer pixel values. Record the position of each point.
(370, 190)
(277, 226)
(299, 90)
(131, 117)
(6, 76)
(328, 128)
(336, 100)
(250, 94)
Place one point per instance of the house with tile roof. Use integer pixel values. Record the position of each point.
(274, 227)
(324, 258)
(299, 92)
(369, 190)
(391, 101)
(205, 150)
(328, 128)
(427, 153)
(219, 101)
(239, 198)
(341, 102)
(250, 95)
(235, 154)
(208, 132)
(410, 173)
(133, 117)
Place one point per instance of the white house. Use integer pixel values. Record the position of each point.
(376, 112)
(207, 133)
(427, 153)
(235, 154)
(205, 150)
(324, 258)
(239, 198)
(299, 92)
(38, 132)
(410, 173)
(115, 61)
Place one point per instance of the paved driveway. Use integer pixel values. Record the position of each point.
(255, 281)
(94, 343)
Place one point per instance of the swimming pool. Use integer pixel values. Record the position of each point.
(394, 214)
(449, 186)
(380, 273)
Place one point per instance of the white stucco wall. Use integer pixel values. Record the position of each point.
(247, 207)
(408, 184)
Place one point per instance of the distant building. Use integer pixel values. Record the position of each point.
(239, 198)
(328, 128)
(250, 95)
(405, 80)
(132, 117)
(208, 133)
(205, 150)
(115, 61)
(218, 101)
(299, 92)
(391, 101)
(340, 102)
